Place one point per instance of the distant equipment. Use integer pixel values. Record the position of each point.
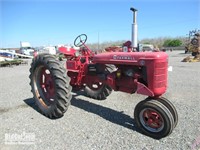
(50, 50)
(26, 49)
(25, 44)
(145, 47)
(10, 55)
(7, 55)
(193, 44)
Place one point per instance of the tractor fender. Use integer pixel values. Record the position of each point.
(67, 51)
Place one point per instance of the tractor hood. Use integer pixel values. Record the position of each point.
(128, 58)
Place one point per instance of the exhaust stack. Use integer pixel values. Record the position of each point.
(134, 29)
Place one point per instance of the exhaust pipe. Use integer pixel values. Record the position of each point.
(134, 39)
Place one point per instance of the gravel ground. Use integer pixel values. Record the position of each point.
(92, 124)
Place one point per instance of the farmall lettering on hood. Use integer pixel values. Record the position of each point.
(118, 57)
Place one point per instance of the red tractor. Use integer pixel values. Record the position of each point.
(98, 74)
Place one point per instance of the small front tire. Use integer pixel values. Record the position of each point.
(171, 108)
(153, 119)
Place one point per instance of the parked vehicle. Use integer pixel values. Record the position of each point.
(26, 49)
(99, 74)
(193, 44)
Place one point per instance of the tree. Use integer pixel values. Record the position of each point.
(147, 43)
(167, 42)
(172, 43)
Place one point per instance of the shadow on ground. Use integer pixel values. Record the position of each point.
(116, 117)
(31, 102)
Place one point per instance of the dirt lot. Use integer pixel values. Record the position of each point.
(92, 124)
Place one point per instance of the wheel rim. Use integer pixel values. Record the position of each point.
(44, 86)
(151, 120)
(96, 85)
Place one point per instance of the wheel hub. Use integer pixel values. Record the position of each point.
(47, 84)
(44, 84)
(95, 85)
(151, 120)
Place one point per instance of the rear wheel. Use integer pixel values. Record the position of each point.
(99, 90)
(153, 118)
(50, 85)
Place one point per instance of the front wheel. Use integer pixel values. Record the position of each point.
(153, 118)
(171, 108)
(50, 86)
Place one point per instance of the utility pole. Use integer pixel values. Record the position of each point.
(98, 41)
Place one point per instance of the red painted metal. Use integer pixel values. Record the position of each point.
(152, 119)
(67, 51)
(47, 85)
(138, 72)
(142, 89)
(155, 63)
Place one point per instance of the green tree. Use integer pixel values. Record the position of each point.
(175, 43)
(172, 43)
(147, 43)
(166, 42)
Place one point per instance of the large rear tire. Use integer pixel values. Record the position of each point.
(50, 86)
(153, 118)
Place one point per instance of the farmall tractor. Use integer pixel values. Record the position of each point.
(98, 74)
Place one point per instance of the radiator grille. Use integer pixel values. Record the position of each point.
(160, 75)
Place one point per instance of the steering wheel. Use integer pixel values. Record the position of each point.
(80, 40)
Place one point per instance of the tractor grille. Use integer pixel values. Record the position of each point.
(160, 75)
